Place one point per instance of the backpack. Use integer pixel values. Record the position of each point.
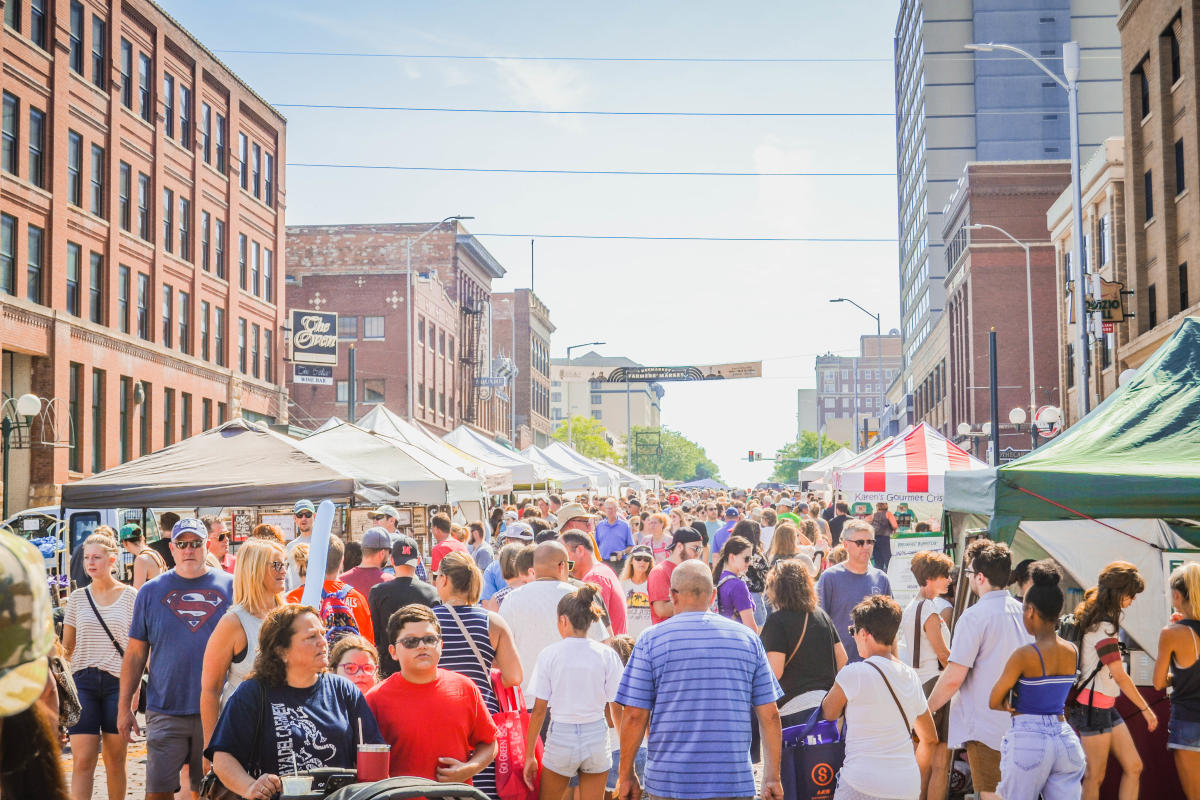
(337, 616)
(1068, 628)
(716, 603)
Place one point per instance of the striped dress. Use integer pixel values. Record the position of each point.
(457, 656)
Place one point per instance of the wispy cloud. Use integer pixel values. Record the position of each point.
(553, 87)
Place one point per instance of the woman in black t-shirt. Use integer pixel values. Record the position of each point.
(802, 647)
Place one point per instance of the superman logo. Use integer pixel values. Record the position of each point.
(194, 607)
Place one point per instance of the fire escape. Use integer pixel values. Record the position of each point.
(470, 335)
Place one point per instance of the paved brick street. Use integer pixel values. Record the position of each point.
(135, 769)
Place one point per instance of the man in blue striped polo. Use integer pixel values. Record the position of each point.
(695, 679)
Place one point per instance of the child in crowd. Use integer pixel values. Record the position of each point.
(575, 678)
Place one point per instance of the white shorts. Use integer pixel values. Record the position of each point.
(571, 749)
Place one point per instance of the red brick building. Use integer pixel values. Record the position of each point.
(522, 332)
(986, 289)
(141, 226)
(360, 271)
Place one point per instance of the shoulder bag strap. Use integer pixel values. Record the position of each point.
(470, 639)
(907, 727)
(796, 649)
(103, 624)
(916, 648)
(255, 768)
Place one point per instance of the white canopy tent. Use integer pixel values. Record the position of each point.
(566, 477)
(817, 470)
(628, 479)
(608, 481)
(525, 473)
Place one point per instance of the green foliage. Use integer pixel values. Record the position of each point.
(788, 459)
(680, 458)
(590, 438)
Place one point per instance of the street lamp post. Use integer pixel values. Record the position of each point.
(26, 406)
(570, 416)
(878, 356)
(408, 246)
(1029, 307)
(1071, 85)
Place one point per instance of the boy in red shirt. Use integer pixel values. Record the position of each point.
(464, 740)
(350, 596)
(445, 542)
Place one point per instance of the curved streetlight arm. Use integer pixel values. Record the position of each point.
(977, 226)
(1012, 49)
(856, 305)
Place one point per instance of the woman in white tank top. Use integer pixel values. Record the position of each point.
(259, 579)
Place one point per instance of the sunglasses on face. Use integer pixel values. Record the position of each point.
(222, 537)
(853, 629)
(861, 542)
(413, 642)
(304, 515)
(365, 669)
(278, 566)
(192, 545)
(643, 558)
(379, 517)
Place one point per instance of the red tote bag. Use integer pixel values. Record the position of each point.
(512, 725)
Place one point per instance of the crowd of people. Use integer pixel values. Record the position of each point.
(661, 644)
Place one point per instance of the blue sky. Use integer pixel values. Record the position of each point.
(656, 302)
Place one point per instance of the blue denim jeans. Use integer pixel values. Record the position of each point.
(1040, 755)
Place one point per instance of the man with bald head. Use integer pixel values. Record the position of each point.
(531, 611)
(699, 746)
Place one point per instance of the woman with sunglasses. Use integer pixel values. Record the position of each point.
(634, 578)
(656, 536)
(258, 584)
(356, 660)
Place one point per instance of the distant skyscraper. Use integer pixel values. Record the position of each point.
(954, 106)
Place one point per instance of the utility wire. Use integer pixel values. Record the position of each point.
(607, 113)
(636, 237)
(694, 173)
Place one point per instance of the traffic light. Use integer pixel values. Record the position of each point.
(750, 457)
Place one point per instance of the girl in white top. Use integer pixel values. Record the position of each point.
(577, 678)
(259, 578)
(884, 704)
(95, 658)
(634, 578)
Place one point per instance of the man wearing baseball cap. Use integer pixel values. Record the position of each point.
(173, 616)
(686, 544)
(732, 516)
(388, 518)
(302, 520)
(376, 550)
(390, 596)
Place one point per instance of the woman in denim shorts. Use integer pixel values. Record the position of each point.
(1179, 645)
(1095, 717)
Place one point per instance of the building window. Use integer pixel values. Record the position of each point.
(1184, 300)
(168, 321)
(1143, 81)
(450, 347)
(168, 220)
(145, 107)
(97, 204)
(242, 345)
(1173, 50)
(8, 254)
(143, 306)
(185, 324)
(373, 328)
(442, 343)
(144, 206)
(220, 248)
(220, 144)
(347, 327)
(185, 229)
(269, 183)
(597, 399)
(97, 420)
(432, 338)
(168, 416)
(169, 105)
(255, 263)
(373, 390)
(126, 79)
(33, 262)
(126, 404)
(222, 413)
(1152, 302)
(1180, 172)
(243, 161)
(1149, 189)
(74, 168)
(74, 256)
(123, 289)
(185, 116)
(343, 391)
(206, 132)
(37, 146)
(595, 415)
(99, 49)
(256, 169)
(421, 393)
(37, 22)
(219, 335)
(185, 415)
(420, 331)
(206, 414)
(205, 313)
(268, 357)
(12, 15)
(1102, 246)
(125, 210)
(96, 289)
(205, 228)
(144, 420)
(75, 393)
(432, 399)
(268, 275)
(242, 260)
(76, 48)
(8, 133)
(255, 335)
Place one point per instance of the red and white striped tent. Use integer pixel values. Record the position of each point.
(910, 467)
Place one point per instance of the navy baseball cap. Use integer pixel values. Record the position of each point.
(189, 526)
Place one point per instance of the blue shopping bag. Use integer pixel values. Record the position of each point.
(812, 756)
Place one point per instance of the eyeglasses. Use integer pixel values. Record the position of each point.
(278, 566)
(222, 537)
(365, 669)
(860, 542)
(379, 517)
(413, 642)
(643, 558)
(853, 629)
(304, 515)
(194, 544)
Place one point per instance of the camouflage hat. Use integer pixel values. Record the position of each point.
(26, 629)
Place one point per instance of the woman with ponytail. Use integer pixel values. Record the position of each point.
(578, 677)
(1094, 715)
(1041, 754)
(733, 595)
(1179, 651)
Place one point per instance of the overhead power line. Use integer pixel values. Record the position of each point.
(683, 173)
(609, 113)
(637, 237)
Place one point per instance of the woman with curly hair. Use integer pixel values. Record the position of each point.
(1094, 715)
(289, 705)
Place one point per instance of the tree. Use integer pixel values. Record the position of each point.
(675, 457)
(795, 456)
(589, 437)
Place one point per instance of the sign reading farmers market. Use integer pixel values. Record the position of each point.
(314, 337)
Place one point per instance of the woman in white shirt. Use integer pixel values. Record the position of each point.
(884, 705)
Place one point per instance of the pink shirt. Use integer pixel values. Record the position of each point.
(611, 592)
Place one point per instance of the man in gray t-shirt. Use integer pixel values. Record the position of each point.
(843, 586)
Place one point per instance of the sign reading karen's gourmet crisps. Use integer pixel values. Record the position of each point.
(314, 337)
